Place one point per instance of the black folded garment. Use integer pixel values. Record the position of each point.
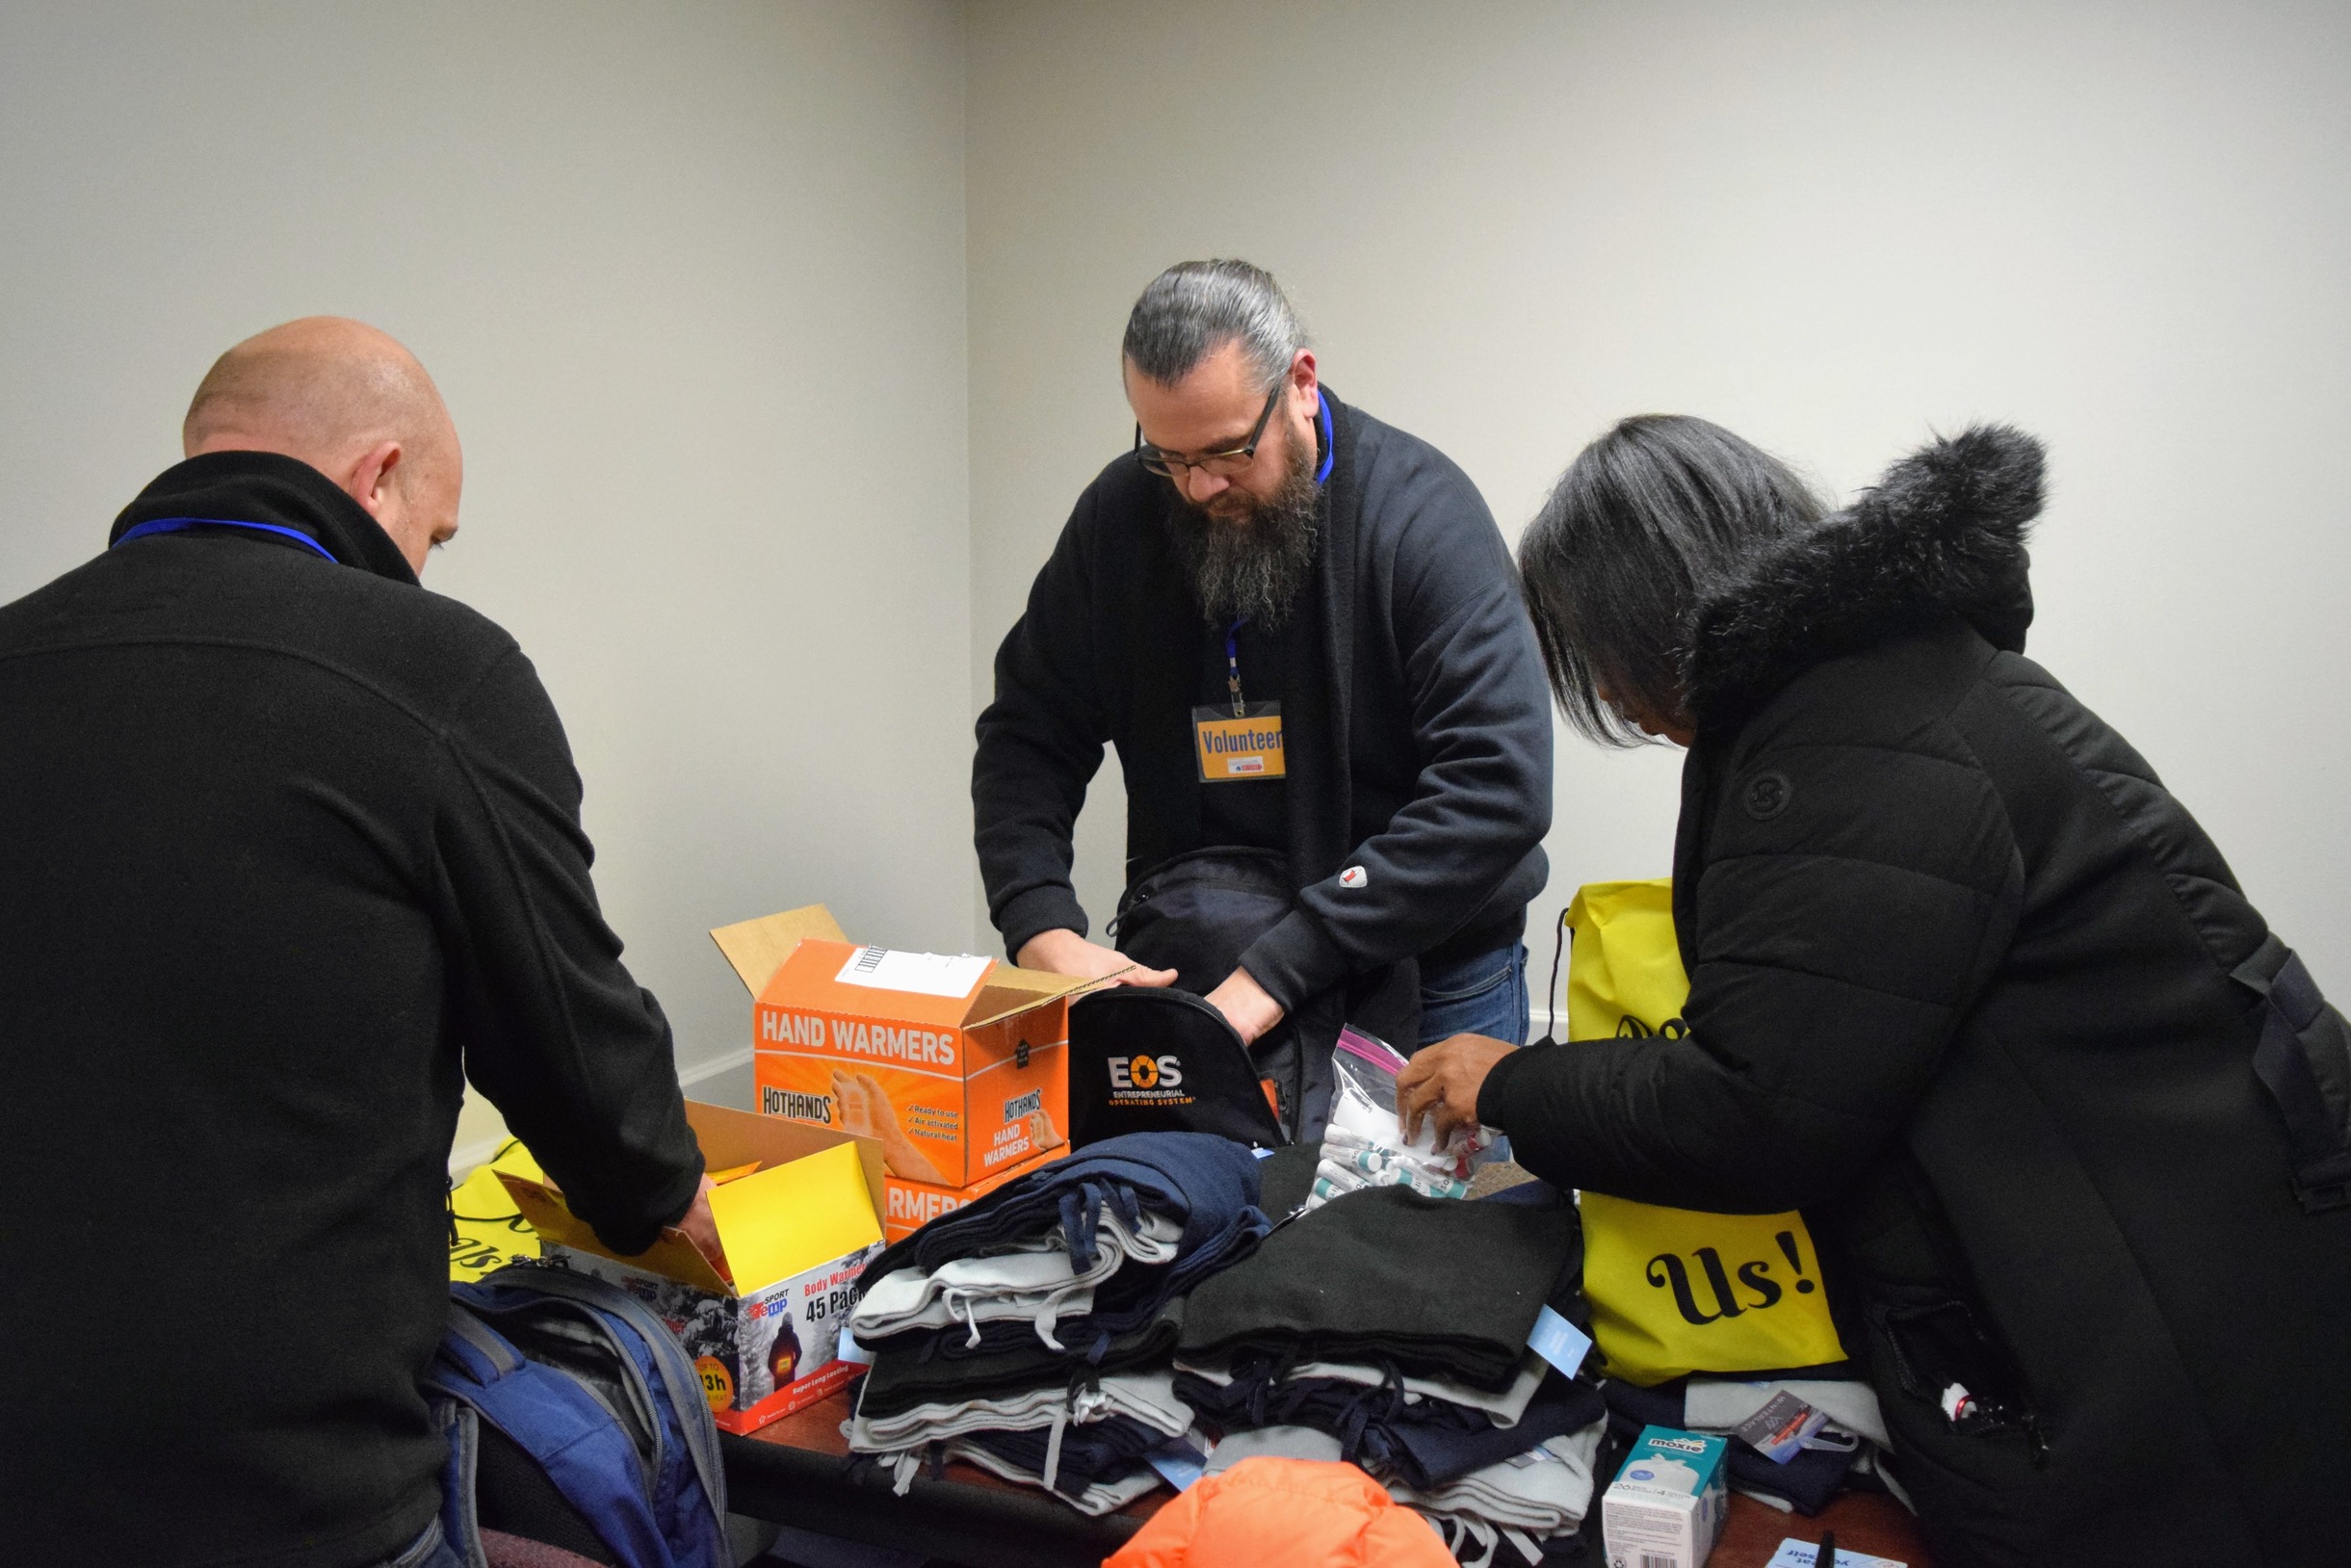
(900, 1380)
(1439, 1288)
(1096, 1450)
(1427, 1442)
(1809, 1479)
(1286, 1179)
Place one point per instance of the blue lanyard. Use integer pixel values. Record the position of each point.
(175, 525)
(1231, 665)
(1330, 444)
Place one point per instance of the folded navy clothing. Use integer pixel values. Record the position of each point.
(902, 1380)
(1440, 1288)
(1360, 1415)
(1426, 1442)
(1096, 1451)
(1207, 1184)
(1430, 1453)
(1807, 1481)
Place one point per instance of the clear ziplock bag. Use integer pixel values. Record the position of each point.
(1364, 1144)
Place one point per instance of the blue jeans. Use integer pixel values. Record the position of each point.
(1484, 994)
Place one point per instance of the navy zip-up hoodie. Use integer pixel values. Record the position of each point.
(290, 847)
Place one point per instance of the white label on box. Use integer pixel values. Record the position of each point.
(1641, 1536)
(1795, 1553)
(925, 974)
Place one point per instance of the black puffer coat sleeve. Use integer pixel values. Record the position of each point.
(1840, 904)
(570, 1048)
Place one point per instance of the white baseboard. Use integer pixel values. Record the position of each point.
(474, 1151)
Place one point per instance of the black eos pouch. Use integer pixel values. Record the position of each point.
(1162, 1061)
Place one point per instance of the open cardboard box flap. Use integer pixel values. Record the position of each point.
(758, 947)
(817, 1195)
(1010, 990)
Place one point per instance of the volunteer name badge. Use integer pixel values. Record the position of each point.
(1237, 748)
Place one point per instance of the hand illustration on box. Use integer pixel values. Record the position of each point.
(1042, 1134)
(866, 1111)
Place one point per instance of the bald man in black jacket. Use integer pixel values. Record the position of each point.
(292, 850)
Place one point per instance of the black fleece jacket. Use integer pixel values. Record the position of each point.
(291, 847)
(1973, 991)
(1415, 719)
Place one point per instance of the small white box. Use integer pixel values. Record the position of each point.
(1666, 1505)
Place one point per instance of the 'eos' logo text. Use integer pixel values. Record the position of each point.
(1146, 1072)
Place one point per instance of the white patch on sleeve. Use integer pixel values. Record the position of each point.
(1353, 876)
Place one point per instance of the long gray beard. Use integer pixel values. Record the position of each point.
(1253, 568)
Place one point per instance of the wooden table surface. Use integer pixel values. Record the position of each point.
(1864, 1521)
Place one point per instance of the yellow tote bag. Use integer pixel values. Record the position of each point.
(1673, 1290)
(486, 1230)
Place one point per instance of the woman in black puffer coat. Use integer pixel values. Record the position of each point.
(1972, 990)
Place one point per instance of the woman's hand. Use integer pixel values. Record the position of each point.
(1443, 1081)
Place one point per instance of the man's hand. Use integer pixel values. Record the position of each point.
(1066, 953)
(701, 1228)
(1246, 1005)
(1443, 1081)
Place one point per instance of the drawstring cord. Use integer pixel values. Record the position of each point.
(953, 1295)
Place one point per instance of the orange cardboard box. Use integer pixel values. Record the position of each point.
(909, 1206)
(958, 1065)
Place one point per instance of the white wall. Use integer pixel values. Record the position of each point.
(1832, 227)
(690, 277)
(694, 280)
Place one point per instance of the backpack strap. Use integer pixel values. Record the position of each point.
(479, 1349)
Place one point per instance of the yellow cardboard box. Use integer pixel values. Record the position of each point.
(798, 1212)
(958, 1064)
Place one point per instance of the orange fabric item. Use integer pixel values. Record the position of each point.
(1300, 1513)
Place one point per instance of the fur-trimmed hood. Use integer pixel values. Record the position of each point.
(1944, 531)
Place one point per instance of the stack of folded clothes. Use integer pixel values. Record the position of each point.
(1390, 1329)
(1030, 1332)
(1532, 1500)
(1844, 1453)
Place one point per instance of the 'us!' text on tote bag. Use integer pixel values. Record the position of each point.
(1673, 1290)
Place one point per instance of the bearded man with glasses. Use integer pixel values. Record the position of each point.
(1300, 629)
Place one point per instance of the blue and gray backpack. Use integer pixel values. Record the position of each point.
(574, 1418)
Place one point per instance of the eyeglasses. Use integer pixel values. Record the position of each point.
(1224, 464)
